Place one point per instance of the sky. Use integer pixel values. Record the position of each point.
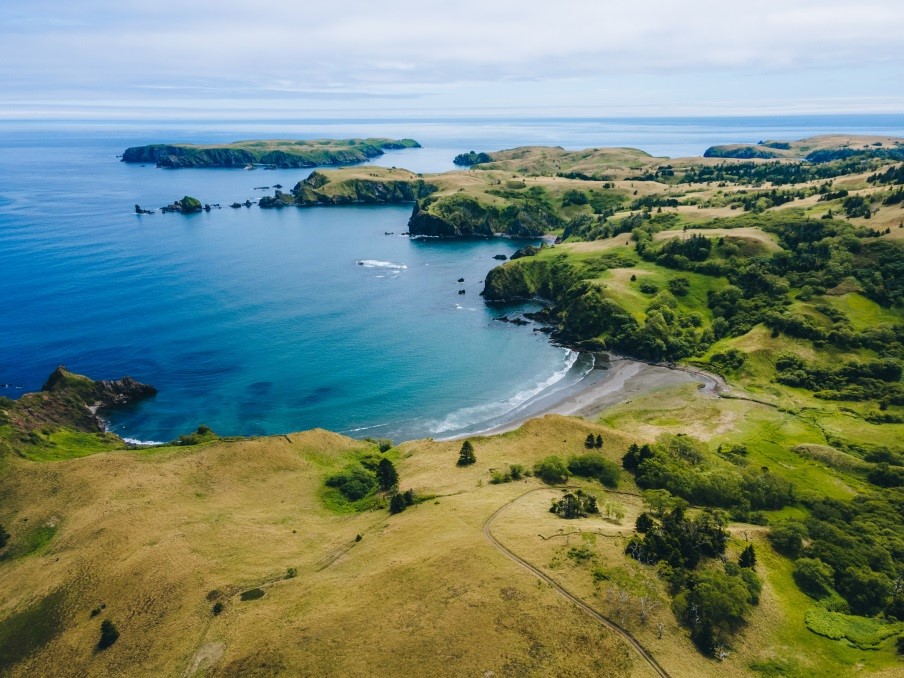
(225, 59)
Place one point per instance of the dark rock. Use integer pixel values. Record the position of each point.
(527, 251)
(138, 210)
(500, 257)
(187, 205)
(461, 280)
(206, 208)
(461, 291)
(236, 205)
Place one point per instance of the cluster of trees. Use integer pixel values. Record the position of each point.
(678, 464)
(857, 206)
(710, 602)
(852, 380)
(515, 472)
(648, 202)
(592, 442)
(893, 175)
(369, 475)
(577, 504)
(824, 166)
(472, 158)
(849, 555)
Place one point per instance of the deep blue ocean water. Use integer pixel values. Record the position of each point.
(263, 321)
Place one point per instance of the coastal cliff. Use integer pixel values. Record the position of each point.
(277, 153)
(319, 189)
(457, 216)
(74, 402)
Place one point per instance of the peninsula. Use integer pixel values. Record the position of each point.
(269, 153)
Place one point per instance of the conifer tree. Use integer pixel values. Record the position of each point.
(466, 456)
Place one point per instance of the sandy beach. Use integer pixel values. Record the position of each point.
(624, 379)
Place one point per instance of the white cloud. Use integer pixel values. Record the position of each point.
(51, 49)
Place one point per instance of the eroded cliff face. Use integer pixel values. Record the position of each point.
(460, 216)
(317, 189)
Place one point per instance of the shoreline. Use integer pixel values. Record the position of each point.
(624, 379)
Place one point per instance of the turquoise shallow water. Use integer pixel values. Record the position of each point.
(254, 321)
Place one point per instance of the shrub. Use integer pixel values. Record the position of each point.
(397, 504)
(788, 538)
(217, 609)
(679, 286)
(4, 537)
(595, 466)
(813, 577)
(109, 634)
(516, 471)
(648, 287)
(551, 469)
(466, 455)
(354, 482)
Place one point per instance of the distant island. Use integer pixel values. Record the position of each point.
(281, 153)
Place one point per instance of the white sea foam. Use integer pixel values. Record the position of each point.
(470, 416)
(143, 443)
(376, 263)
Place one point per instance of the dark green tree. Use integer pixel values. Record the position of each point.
(4, 537)
(466, 455)
(748, 557)
(109, 634)
(788, 538)
(589, 443)
(387, 476)
(397, 503)
(599, 441)
(643, 523)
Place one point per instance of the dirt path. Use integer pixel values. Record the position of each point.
(605, 621)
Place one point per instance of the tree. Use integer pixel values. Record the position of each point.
(716, 606)
(397, 503)
(109, 634)
(599, 441)
(589, 443)
(387, 476)
(643, 523)
(748, 557)
(4, 537)
(466, 456)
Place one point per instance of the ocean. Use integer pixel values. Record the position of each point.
(270, 321)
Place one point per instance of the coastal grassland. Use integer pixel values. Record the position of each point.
(154, 539)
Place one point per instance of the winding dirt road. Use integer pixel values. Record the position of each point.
(605, 621)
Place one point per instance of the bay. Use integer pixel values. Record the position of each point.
(259, 322)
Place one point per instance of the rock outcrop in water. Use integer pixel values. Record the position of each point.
(187, 205)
